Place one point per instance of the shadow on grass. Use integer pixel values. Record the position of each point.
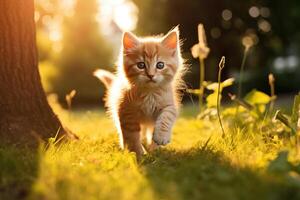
(18, 170)
(205, 174)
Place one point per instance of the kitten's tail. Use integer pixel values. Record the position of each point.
(105, 77)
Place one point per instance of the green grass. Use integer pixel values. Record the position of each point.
(234, 167)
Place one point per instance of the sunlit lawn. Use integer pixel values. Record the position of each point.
(233, 167)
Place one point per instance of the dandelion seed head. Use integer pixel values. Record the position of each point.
(201, 35)
(247, 42)
(271, 79)
(200, 50)
(195, 51)
(222, 62)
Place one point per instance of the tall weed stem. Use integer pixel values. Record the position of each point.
(272, 88)
(221, 66)
(242, 72)
(201, 85)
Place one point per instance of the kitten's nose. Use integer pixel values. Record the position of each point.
(150, 76)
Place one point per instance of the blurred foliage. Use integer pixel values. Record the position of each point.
(225, 36)
(44, 45)
(227, 24)
(49, 74)
(83, 51)
(293, 121)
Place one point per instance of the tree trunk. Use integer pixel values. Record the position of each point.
(24, 110)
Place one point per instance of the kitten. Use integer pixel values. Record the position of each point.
(143, 97)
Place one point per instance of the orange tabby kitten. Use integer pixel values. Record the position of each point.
(143, 95)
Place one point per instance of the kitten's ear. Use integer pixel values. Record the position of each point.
(171, 39)
(130, 41)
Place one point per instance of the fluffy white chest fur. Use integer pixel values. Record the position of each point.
(149, 105)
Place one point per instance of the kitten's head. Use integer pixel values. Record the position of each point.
(151, 62)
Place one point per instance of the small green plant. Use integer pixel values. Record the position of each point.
(293, 121)
(259, 100)
(252, 114)
(52, 141)
(254, 102)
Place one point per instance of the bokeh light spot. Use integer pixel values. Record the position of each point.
(265, 12)
(226, 15)
(254, 11)
(264, 25)
(215, 32)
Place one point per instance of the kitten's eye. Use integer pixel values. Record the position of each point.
(160, 65)
(141, 65)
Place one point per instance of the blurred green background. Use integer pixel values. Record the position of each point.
(75, 37)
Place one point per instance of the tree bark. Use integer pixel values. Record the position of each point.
(24, 110)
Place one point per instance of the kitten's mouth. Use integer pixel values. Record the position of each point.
(151, 81)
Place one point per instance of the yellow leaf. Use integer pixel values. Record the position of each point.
(212, 99)
(257, 97)
(227, 82)
(212, 86)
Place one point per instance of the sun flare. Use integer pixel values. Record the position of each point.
(122, 12)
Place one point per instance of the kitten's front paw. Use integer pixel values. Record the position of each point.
(161, 139)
